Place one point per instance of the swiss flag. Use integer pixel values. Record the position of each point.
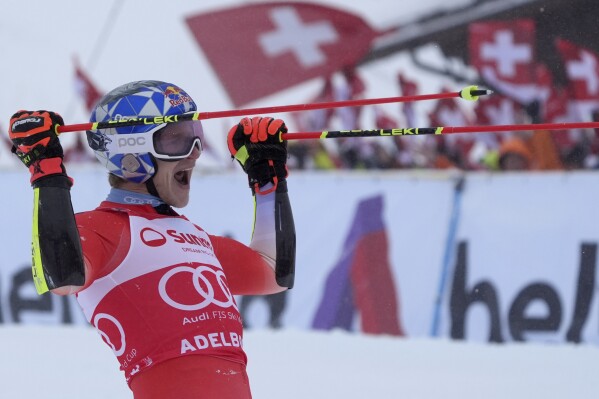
(260, 49)
(560, 108)
(503, 53)
(86, 88)
(579, 100)
(496, 110)
(582, 70)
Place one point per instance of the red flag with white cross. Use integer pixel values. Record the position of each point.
(504, 54)
(496, 110)
(582, 70)
(259, 49)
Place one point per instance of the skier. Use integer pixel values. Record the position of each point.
(158, 288)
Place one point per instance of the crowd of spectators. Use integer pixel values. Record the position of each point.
(518, 150)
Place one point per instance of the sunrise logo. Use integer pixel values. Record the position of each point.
(151, 237)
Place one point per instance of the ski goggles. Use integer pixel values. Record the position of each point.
(168, 141)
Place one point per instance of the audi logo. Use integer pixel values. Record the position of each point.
(206, 296)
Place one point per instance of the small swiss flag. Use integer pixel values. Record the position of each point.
(503, 53)
(582, 69)
(505, 48)
(260, 49)
(496, 110)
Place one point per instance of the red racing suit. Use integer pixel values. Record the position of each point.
(159, 290)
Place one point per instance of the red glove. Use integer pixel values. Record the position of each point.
(36, 143)
(256, 144)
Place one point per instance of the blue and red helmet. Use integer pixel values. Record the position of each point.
(142, 99)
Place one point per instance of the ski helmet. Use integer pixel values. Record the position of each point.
(141, 99)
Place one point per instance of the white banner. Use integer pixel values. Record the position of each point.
(371, 250)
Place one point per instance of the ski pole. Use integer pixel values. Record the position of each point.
(335, 134)
(448, 254)
(471, 93)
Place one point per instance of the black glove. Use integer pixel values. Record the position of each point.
(257, 145)
(35, 141)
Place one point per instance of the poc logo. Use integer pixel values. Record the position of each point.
(131, 141)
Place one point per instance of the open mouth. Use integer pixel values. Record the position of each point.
(183, 177)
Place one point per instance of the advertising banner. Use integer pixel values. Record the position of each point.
(498, 258)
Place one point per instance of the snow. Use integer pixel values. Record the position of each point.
(72, 362)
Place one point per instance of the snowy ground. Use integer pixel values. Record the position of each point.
(71, 362)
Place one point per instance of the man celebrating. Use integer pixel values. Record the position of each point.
(158, 288)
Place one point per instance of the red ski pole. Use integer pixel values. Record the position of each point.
(468, 93)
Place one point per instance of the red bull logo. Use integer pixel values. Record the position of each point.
(176, 96)
(172, 91)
